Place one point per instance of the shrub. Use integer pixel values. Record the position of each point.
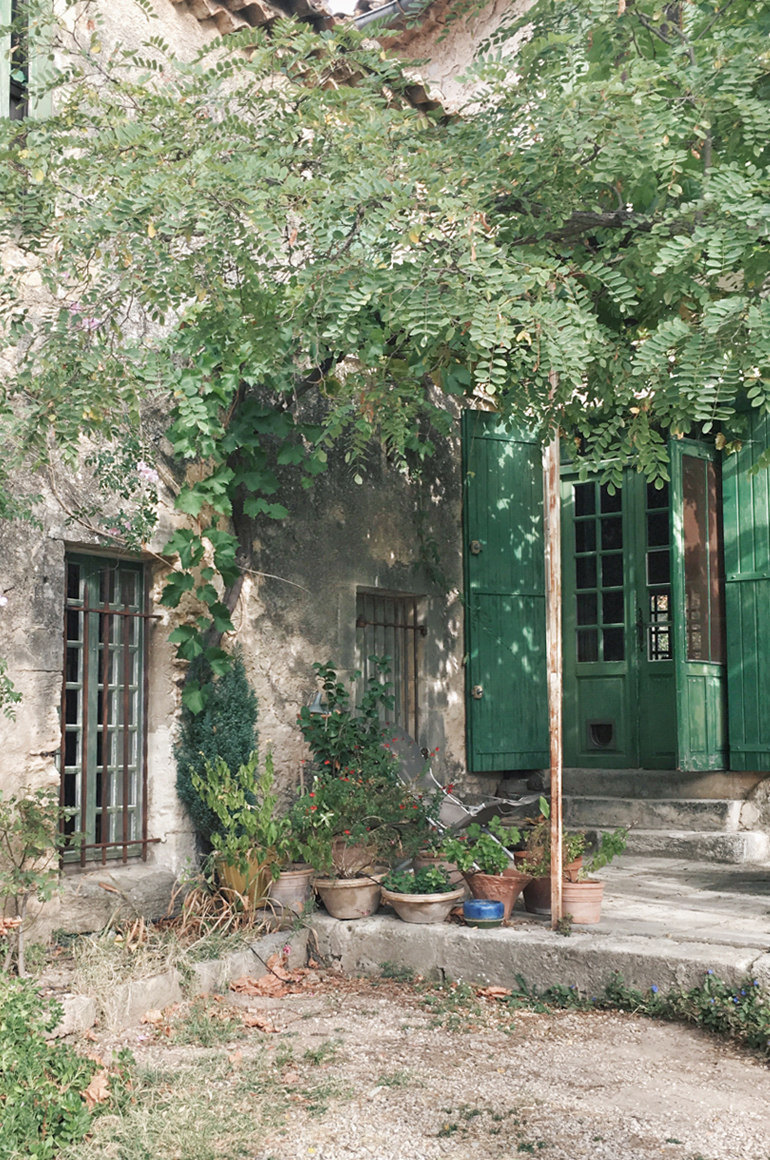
(42, 1108)
(226, 728)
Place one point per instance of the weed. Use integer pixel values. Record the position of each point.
(398, 1079)
(399, 974)
(319, 1095)
(564, 925)
(206, 1025)
(447, 1130)
(325, 1051)
(452, 1006)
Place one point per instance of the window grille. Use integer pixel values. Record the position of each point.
(104, 696)
(388, 625)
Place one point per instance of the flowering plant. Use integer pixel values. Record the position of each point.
(430, 880)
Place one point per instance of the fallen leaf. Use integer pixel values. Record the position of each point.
(96, 1058)
(98, 1090)
(313, 963)
(236, 1059)
(89, 1035)
(275, 965)
(152, 1016)
(260, 1022)
(290, 1077)
(493, 992)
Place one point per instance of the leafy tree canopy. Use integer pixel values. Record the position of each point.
(274, 246)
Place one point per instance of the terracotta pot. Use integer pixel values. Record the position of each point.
(571, 869)
(429, 861)
(424, 907)
(349, 861)
(291, 889)
(250, 889)
(501, 887)
(583, 900)
(350, 897)
(537, 895)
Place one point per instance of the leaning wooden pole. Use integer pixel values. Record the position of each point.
(552, 495)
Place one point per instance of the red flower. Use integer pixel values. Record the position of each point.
(313, 808)
(326, 763)
(346, 831)
(311, 795)
(450, 787)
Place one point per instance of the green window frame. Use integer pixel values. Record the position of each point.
(23, 59)
(104, 695)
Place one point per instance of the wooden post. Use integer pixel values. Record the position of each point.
(552, 492)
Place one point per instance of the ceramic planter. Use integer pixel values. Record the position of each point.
(431, 861)
(505, 888)
(251, 888)
(583, 900)
(537, 895)
(350, 897)
(291, 889)
(424, 907)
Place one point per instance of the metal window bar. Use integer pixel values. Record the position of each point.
(97, 802)
(388, 625)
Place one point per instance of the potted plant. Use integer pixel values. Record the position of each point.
(424, 896)
(362, 818)
(582, 899)
(248, 832)
(486, 865)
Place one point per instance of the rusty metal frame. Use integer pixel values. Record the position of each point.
(552, 490)
(415, 628)
(108, 615)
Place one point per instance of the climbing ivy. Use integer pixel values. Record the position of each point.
(270, 246)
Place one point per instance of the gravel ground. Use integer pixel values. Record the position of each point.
(402, 1082)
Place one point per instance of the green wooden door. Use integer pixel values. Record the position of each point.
(619, 693)
(698, 591)
(747, 600)
(507, 701)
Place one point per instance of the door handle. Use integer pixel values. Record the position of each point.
(639, 628)
(475, 547)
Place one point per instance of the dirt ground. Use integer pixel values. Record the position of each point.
(348, 1069)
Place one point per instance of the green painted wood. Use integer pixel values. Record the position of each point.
(747, 600)
(5, 64)
(701, 681)
(507, 725)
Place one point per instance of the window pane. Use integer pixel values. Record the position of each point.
(612, 608)
(588, 644)
(585, 499)
(73, 582)
(657, 497)
(585, 536)
(585, 570)
(611, 503)
(587, 608)
(612, 534)
(612, 571)
(658, 567)
(657, 529)
(613, 644)
(716, 603)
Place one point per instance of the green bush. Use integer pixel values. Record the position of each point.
(41, 1083)
(226, 728)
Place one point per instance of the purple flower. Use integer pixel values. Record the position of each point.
(654, 989)
(144, 471)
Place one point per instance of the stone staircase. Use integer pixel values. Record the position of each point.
(693, 816)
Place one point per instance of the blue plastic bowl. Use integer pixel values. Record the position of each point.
(483, 912)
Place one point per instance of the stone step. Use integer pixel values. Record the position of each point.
(655, 783)
(696, 814)
(696, 846)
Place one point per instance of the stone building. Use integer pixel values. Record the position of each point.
(665, 608)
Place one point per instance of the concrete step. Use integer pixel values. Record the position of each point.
(696, 846)
(655, 783)
(696, 814)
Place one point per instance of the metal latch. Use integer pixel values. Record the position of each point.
(477, 692)
(475, 547)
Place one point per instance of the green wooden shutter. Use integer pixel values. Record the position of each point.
(747, 600)
(5, 63)
(507, 701)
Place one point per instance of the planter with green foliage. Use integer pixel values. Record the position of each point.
(249, 831)
(486, 865)
(581, 896)
(426, 896)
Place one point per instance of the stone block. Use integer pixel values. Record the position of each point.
(79, 1015)
(217, 974)
(129, 1001)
